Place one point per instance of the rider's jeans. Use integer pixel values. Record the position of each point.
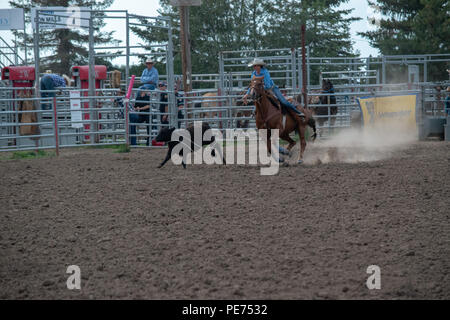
(283, 100)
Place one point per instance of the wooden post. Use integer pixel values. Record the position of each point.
(183, 7)
(304, 79)
(185, 48)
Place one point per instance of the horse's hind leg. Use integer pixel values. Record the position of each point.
(301, 133)
(291, 142)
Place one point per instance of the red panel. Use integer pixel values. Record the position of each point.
(18, 73)
(83, 71)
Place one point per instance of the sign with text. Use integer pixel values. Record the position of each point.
(61, 17)
(185, 3)
(11, 19)
(75, 109)
(390, 110)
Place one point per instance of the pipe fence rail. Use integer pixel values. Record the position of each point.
(61, 120)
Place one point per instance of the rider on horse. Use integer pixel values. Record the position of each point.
(260, 71)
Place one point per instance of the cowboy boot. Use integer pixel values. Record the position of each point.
(296, 116)
(300, 118)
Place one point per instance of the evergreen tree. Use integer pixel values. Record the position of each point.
(413, 27)
(328, 28)
(62, 48)
(215, 26)
(221, 25)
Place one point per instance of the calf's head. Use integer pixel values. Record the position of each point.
(165, 134)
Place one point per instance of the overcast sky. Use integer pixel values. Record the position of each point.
(149, 8)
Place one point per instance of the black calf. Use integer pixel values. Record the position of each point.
(165, 135)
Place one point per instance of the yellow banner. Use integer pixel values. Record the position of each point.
(392, 110)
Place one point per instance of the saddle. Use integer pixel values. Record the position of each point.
(275, 102)
(277, 108)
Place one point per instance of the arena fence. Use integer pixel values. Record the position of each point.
(67, 120)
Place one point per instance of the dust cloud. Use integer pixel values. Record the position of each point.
(355, 145)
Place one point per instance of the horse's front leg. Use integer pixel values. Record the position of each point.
(269, 142)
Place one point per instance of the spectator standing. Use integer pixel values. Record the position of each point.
(163, 106)
(49, 82)
(180, 105)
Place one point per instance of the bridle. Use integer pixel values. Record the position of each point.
(256, 96)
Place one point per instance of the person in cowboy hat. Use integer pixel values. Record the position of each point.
(260, 70)
(149, 77)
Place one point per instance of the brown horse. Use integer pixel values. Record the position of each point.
(268, 116)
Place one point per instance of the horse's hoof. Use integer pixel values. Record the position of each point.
(300, 162)
(279, 160)
(284, 151)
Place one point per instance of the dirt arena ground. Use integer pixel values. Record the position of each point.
(226, 232)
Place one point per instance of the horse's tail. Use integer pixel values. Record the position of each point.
(312, 124)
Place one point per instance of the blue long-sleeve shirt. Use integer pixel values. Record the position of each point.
(150, 76)
(268, 83)
(58, 81)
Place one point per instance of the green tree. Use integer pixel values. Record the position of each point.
(328, 28)
(221, 25)
(215, 26)
(62, 48)
(413, 27)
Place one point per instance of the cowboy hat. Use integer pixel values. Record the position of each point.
(257, 62)
(149, 61)
(67, 80)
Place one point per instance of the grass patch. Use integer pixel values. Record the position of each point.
(104, 146)
(119, 148)
(31, 154)
(123, 148)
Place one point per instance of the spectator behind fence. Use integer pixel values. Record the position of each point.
(49, 82)
(180, 105)
(447, 102)
(163, 106)
(149, 77)
(119, 103)
(142, 105)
